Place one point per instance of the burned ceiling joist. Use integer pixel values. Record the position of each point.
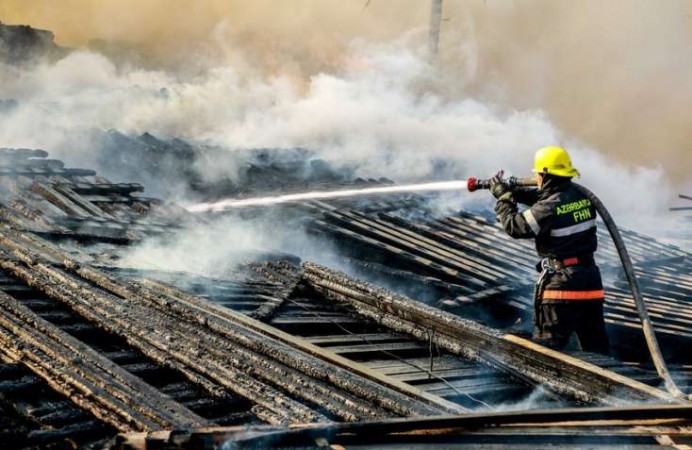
(146, 350)
(87, 378)
(522, 358)
(471, 261)
(582, 428)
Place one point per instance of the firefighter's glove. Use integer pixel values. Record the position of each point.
(499, 187)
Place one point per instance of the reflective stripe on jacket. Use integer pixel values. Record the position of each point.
(563, 223)
(560, 218)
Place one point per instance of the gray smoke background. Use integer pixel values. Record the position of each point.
(352, 81)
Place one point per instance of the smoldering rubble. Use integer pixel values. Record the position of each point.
(129, 322)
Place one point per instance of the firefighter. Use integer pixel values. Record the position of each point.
(569, 296)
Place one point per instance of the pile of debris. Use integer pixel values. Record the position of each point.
(22, 44)
(286, 353)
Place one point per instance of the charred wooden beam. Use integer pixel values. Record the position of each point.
(163, 338)
(229, 344)
(87, 378)
(22, 153)
(352, 377)
(106, 188)
(60, 200)
(512, 354)
(669, 425)
(20, 219)
(82, 202)
(343, 373)
(272, 304)
(248, 355)
(37, 216)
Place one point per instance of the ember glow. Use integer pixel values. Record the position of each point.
(316, 195)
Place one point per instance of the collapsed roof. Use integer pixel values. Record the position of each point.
(91, 348)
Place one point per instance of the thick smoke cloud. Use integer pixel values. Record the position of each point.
(616, 75)
(356, 85)
(375, 117)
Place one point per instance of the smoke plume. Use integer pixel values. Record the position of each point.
(615, 75)
(352, 80)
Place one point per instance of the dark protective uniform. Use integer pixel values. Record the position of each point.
(569, 295)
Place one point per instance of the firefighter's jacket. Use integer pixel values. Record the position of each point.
(563, 223)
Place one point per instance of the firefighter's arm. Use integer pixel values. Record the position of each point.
(527, 224)
(525, 195)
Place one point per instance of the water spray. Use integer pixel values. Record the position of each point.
(322, 195)
(472, 185)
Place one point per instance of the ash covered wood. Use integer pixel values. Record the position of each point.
(641, 428)
(521, 357)
(266, 349)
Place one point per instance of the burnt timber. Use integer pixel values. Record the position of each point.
(90, 349)
(583, 428)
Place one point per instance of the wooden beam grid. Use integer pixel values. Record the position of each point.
(217, 354)
(515, 355)
(467, 249)
(642, 428)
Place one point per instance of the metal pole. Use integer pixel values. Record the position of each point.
(434, 31)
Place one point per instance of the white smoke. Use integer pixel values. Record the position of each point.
(382, 112)
(216, 249)
(213, 250)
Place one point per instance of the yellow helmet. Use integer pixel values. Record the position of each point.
(554, 161)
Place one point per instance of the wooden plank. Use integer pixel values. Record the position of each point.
(308, 320)
(82, 202)
(443, 362)
(106, 188)
(86, 377)
(477, 391)
(533, 430)
(378, 348)
(509, 353)
(59, 200)
(345, 339)
(437, 256)
(340, 363)
(444, 272)
(422, 376)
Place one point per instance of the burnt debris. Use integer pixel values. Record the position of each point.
(281, 351)
(207, 173)
(22, 44)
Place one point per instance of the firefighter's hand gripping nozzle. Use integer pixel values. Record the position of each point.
(474, 184)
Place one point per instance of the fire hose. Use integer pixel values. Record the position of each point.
(474, 184)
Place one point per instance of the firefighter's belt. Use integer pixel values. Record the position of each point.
(549, 294)
(557, 264)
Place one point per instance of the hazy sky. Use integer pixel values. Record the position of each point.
(615, 74)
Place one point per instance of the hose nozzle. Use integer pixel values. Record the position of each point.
(473, 184)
